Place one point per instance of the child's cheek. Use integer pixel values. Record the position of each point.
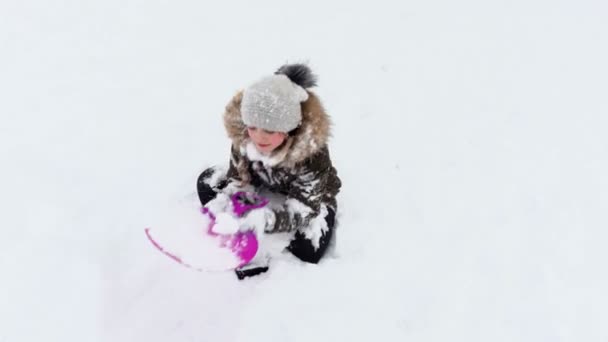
(276, 139)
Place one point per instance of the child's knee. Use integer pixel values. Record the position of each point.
(206, 191)
(305, 250)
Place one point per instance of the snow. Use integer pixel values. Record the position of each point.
(257, 219)
(181, 231)
(218, 175)
(254, 155)
(220, 204)
(316, 227)
(470, 137)
(226, 224)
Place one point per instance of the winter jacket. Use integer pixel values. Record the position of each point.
(301, 168)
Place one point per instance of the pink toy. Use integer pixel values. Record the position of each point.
(243, 245)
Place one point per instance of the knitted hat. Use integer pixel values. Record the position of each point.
(273, 103)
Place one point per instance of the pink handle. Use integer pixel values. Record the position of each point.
(242, 202)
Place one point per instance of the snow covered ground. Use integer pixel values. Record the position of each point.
(470, 137)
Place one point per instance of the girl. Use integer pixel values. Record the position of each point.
(279, 132)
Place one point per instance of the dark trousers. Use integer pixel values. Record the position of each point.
(300, 246)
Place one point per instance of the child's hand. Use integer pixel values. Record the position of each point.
(260, 220)
(242, 211)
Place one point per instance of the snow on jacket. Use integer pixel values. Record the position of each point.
(301, 168)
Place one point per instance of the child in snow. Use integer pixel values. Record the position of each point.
(279, 132)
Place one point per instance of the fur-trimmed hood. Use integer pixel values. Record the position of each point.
(308, 139)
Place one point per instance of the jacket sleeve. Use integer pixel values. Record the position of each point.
(310, 195)
(238, 177)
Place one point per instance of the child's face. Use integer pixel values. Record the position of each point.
(265, 141)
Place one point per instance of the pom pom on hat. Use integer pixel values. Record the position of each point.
(299, 74)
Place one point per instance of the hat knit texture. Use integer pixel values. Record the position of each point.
(274, 102)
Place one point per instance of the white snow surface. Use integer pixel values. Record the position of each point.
(226, 223)
(181, 230)
(470, 137)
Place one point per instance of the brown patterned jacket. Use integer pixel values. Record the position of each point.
(300, 169)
